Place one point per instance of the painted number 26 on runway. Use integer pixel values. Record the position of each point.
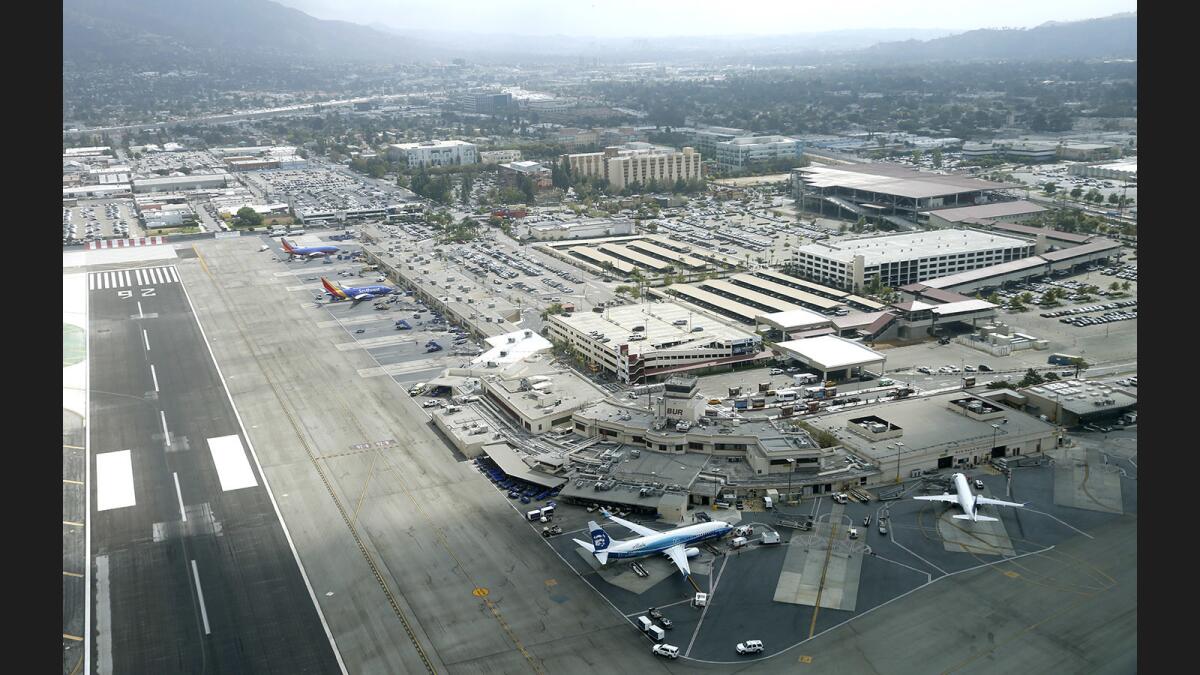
(146, 293)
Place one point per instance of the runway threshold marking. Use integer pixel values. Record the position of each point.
(114, 480)
(229, 457)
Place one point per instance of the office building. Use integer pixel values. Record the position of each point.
(705, 139)
(637, 163)
(538, 174)
(434, 153)
(744, 151)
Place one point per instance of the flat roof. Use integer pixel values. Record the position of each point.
(996, 210)
(930, 425)
(912, 245)
(794, 319)
(1011, 267)
(962, 306)
(865, 302)
(1050, 234)
(719, 301)
(660, 331)
(1081, 397)
(753, 296)
(515, 346)
(640, 258)
(893, 179)
(601, 258)
(1077, 251)
(830, 352)
(787, 279)
(787, 291)
(858, 319)
(683, 258)
(506, 457)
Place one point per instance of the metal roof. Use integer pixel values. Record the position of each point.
(896, 180)
(744, 293)
(802, 297)
(1094, 247)
(737, 309)
(787, 279)
(996, 210)
(829, 352)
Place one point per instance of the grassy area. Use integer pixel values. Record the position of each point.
(186, 229)
(74, 348)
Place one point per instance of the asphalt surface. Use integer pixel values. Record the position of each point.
(256, 614)
(416, 565)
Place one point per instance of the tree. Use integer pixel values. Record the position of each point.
(1114, 286)
(1079, 364)
(1076, 192)
(1124, 285)
(1031, 378)
(937, 158)
(248, 217)
(1050, 188)
(467, 182)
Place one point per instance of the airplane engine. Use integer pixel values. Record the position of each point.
(692, 552)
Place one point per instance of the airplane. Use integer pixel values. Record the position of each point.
(674, 544)
(967, 500)
(307, 252)
(355, 293)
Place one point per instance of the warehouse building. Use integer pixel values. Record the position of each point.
(1074, 402)
(575, 229)
(179, 183)
(1125, 169)
(1013, 211)
(897, 260)
(645, 342)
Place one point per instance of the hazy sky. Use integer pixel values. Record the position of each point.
(630, 18)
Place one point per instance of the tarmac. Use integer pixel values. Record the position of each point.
(416, 565)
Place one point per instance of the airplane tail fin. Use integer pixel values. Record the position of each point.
(335, 291)
(600, 541)
(286, 246)
(963, 516)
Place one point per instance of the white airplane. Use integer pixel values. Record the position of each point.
(967, 500)
(674, 544)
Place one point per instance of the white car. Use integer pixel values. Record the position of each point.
(777, 371)
(750, 647)
(669, 651)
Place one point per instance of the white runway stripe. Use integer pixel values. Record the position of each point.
(233, 468)
(114, 480)
(138, 276)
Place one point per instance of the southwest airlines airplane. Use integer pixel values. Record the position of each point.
(966, 500)
(307, 252)
(674, 544)
(355, 293)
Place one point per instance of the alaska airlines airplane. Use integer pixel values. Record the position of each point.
(307, 252)
(966, 500)
(355, 293)
(674, 544)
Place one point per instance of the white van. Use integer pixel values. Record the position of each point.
(739, 542)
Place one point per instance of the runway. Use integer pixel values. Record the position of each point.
(192, 570)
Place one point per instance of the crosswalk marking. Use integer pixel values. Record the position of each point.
(140, 276)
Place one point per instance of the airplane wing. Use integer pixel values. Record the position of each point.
(363, 296)
(996, 502)
(640, 529)
(948, 498)
(678, 555)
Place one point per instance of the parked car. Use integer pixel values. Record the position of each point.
(978, 484)
(669, 651)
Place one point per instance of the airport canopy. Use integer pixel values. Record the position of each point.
(514, 466)
(830, 353)
(796, 319)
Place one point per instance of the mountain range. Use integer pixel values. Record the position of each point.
(151, 32)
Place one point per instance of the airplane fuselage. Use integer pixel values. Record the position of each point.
(374, 291)
(966, 498)
(687, 536)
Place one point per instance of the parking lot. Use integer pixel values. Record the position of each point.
(90, 220)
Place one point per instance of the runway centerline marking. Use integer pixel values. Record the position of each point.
(179, 494)
(146, 339)
(141, 315)
(154, 376)
(166, 433)
(200, 594)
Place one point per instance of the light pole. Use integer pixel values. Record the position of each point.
(791, 469)
(899, 447)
